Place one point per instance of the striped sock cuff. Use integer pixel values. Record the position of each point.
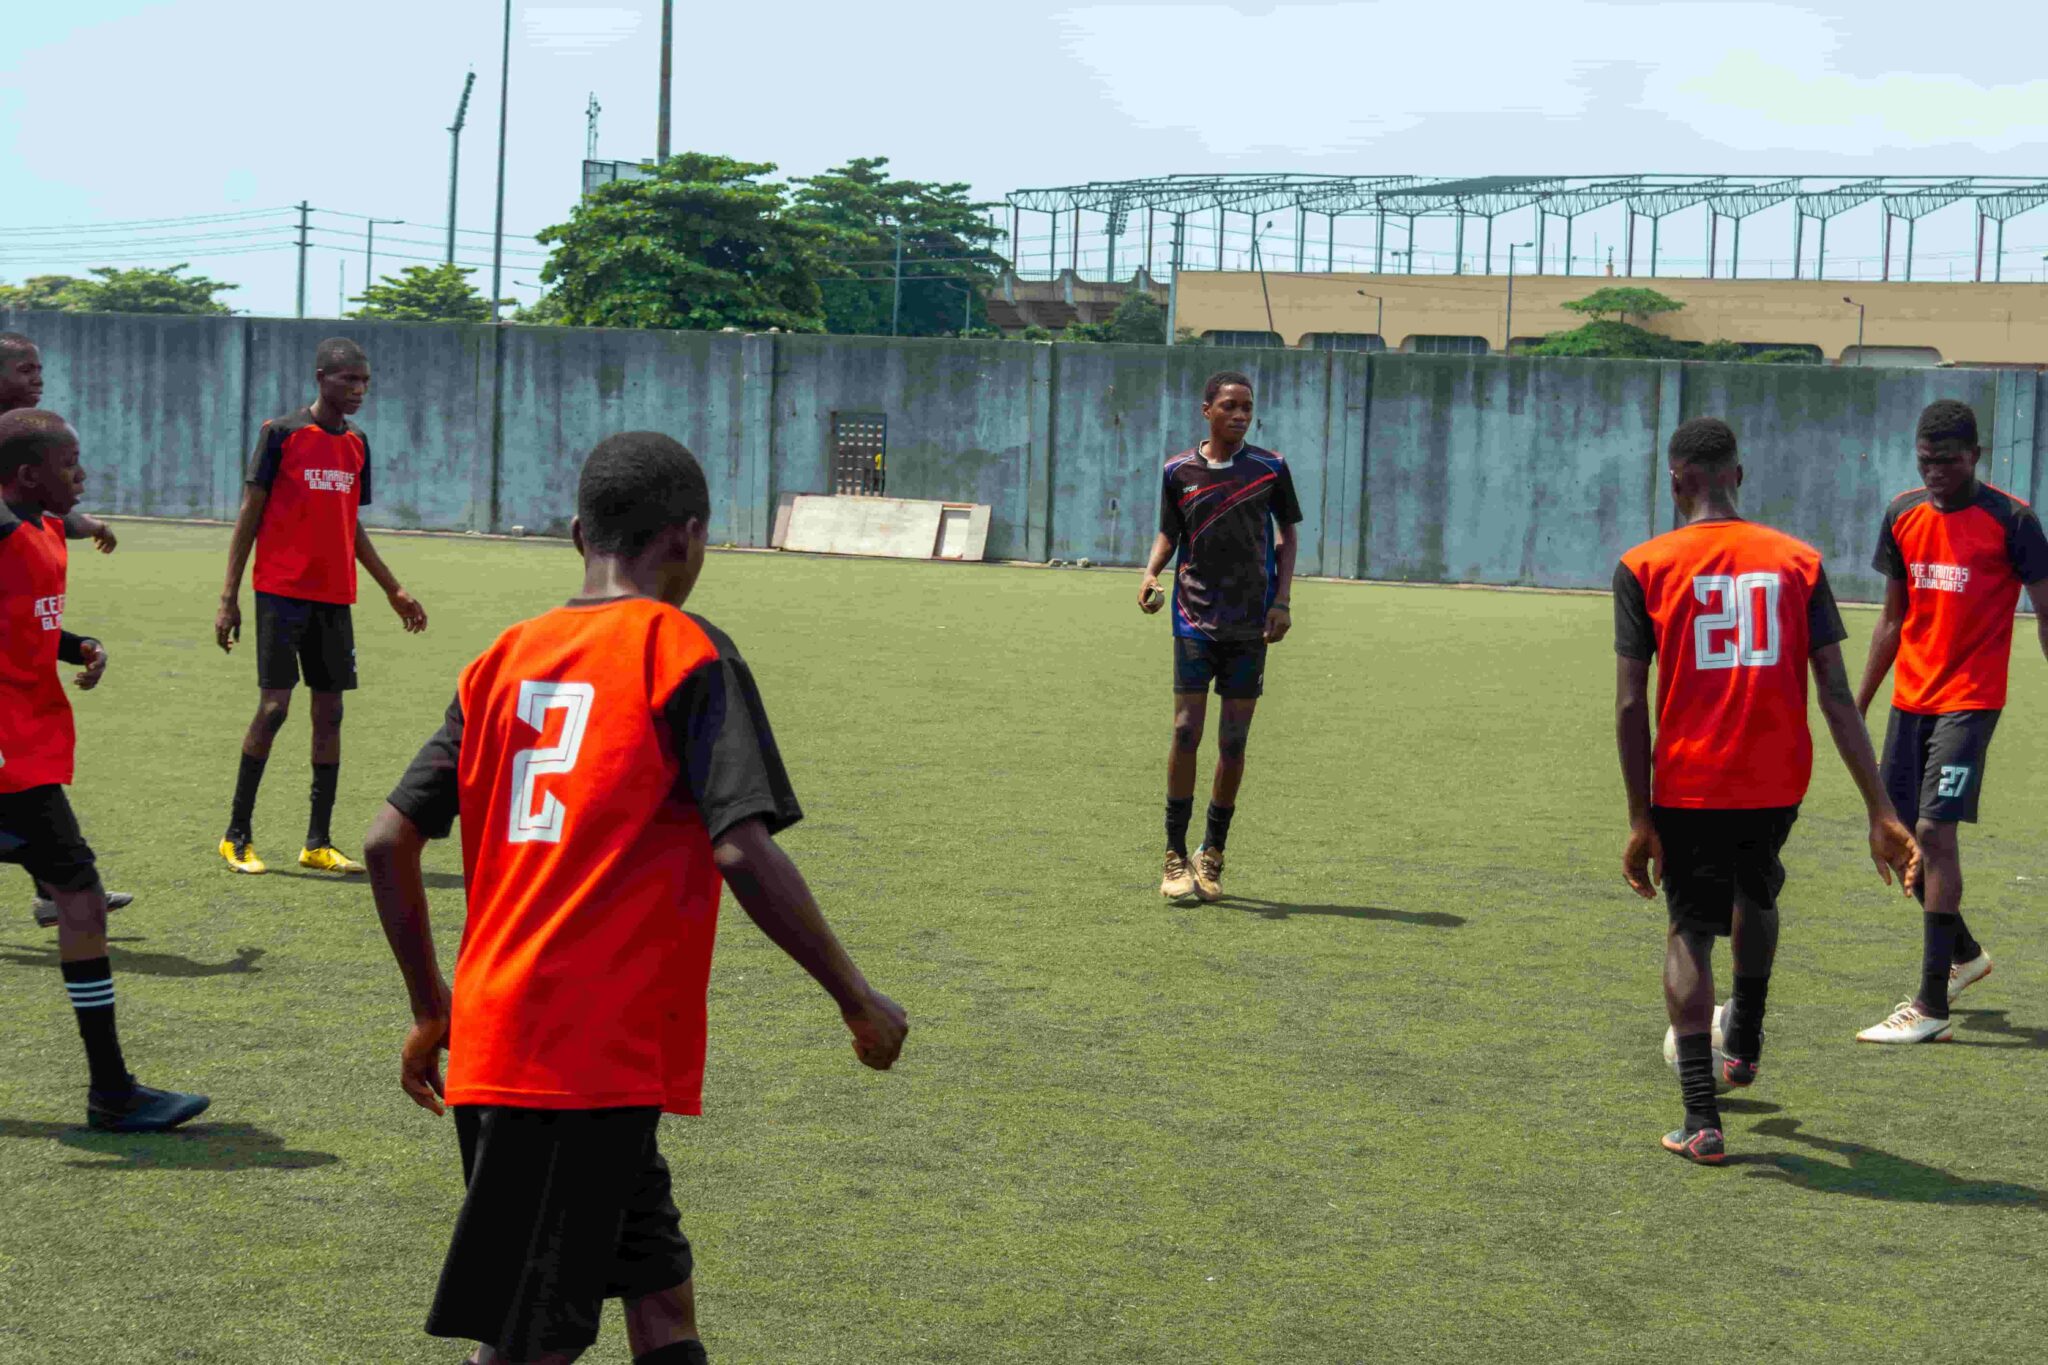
(90, 984)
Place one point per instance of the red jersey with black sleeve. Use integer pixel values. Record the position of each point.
(1731, 611)
(1962, 571)
(317, 480)
(37, 734)
(594, 754)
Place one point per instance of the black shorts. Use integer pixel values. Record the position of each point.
(1934, 765)
(1236, 667)
(1713, 856)
(566, 1208)
(294, 633)
(38, 831)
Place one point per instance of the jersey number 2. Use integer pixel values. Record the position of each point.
(536, 699)
(1734, 631)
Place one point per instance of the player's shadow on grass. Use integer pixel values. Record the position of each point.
(140, 963)
(1869, 1173)
(1995, 1022)
(1434, 919)
(200, 1147)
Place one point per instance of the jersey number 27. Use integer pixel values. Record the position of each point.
(544, 824)
(1738, 623)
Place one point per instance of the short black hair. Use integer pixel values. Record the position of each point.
(635, 485)
(28, 436)
(1948, 420)
(1219, 379)
(336, 352)
(1707, 441)
(13, 344)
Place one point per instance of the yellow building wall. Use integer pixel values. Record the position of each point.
(1988, 324)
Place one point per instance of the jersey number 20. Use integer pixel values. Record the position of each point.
(1734, 629)
(536, 699)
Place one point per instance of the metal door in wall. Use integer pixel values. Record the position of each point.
(860, 447)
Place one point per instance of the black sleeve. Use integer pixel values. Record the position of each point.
(9, 523)
(263, 460)
(430, 793)
(71, 648)
(1823, 618)
(75, 528)
(1286, 507)
(732, 770)
(2027, 546)
(363, 480)
(1170, 524)
(1888, 561)
(1634, 636)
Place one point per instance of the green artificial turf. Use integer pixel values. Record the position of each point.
(1396, 1099)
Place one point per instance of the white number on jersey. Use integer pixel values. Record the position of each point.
(1735, 630)
(536, 699)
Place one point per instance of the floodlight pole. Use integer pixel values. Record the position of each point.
(896, 298)
(504, 110)
(1173, 281)
(668, 41)
(455, 158)
(1513, 247)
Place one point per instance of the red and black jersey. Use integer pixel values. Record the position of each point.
(1962, 571)
(1731, 611)
(37, 736)
(594, 754)
(317, 480)
(1220, 518)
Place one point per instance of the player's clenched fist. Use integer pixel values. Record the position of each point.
(227, 624)
(878, 1027)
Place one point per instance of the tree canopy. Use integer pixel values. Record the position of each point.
(139, 290)
(1140, 320)
(1624, 301)
(423, 293)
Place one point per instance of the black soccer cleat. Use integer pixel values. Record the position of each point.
(1703, 1146)
(1738, 1072)
(142, 1109)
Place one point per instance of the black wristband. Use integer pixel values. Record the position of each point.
(1281, 606)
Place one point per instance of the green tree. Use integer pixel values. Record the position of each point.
(426, 293)
(144, 289)
(1607, 341)
(1139, 320)
(545, 311)
(701, 243)
(36, 294)
(948, 256)
(1624, 302)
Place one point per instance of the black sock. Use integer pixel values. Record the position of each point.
(1696, 1081)
(91, 987)
(244, 813)
(319, 829)
(689, 1352)
(1219, 826)
(1746, 1038)
(1179, 810)
(1967, 947)
(1936, 957)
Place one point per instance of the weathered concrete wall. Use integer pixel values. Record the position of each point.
(1425, 468)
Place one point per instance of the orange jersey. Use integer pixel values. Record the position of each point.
(317, 480)
(593, 754)
(37, 736)
(1962, 572)
(1731, 611)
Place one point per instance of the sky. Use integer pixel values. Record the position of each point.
(234, 110)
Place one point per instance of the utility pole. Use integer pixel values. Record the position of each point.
(1379, 321)
(504, 109)
(668, 41)
(896, 298)
(455, 156)
(370, 247)
(590, 113)
(1859, 326)
(1513, 247)
(1173, 282)
(304, 209)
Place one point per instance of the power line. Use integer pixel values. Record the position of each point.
(68, 228)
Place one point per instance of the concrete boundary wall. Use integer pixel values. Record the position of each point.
(1466, 469)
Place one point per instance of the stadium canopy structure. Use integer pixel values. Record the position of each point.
(1647, 199)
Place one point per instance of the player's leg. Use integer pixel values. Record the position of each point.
(1699, 898)
(1753, 941)
(655, 1270)
(1239, 688)
(1194, 668)
(44, 906)
(327, 653)
(661, 1328)
(280, 623)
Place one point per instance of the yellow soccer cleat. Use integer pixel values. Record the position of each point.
(328, 858)
(242, 857)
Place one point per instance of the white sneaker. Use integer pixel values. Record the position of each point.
(1907, 1025)
(45, 910)
(1964, 975)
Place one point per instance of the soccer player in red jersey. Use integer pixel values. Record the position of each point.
(1227, 511)
(41, 480)
(307, 479)
(21, 386)
(611, 764)
(1955, 553)
(1734, 614)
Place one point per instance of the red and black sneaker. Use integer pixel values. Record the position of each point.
(1703, 1145)
(1738, 1072)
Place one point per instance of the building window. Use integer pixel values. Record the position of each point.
(1258, 340)
(1447, 345)
(1345, 341)
(860, 447)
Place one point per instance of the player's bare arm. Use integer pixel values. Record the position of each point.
(1884, 644)
(1891, 844)
(1280, 616)
(1150, 598)
(409, 610)
(1642, 858)
(88, 653)
(227, 621)
(86, 526)
(392, 850)
(2037, 597)
(772, 892)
